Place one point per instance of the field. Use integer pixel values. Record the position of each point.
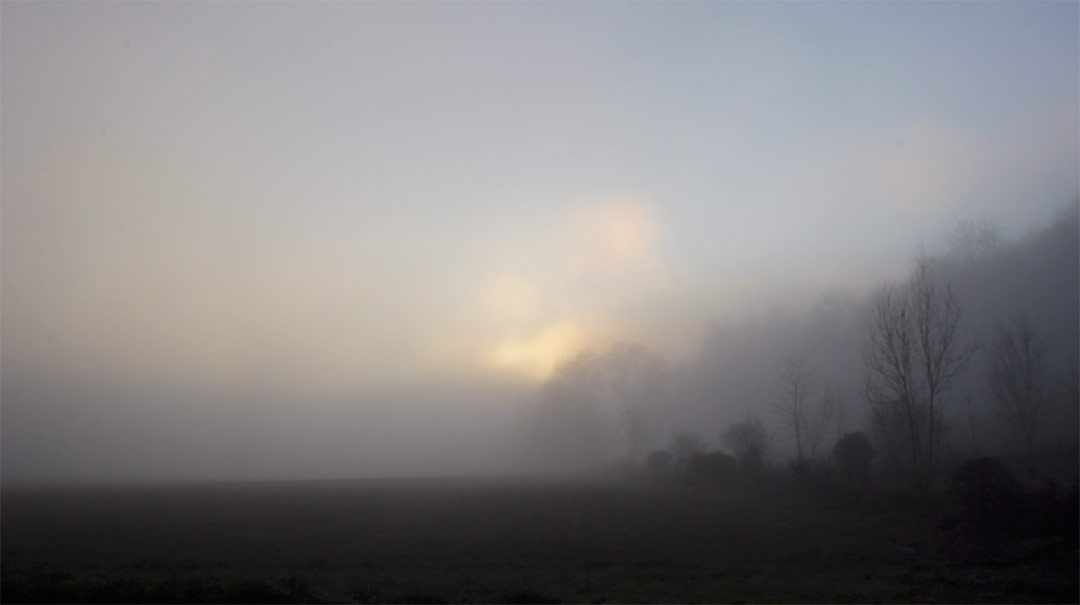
(440, 540)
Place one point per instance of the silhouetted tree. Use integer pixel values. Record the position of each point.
(697, 469)
(1067, 396)
(684, 445)
(801, 406)
(797, 385)
(659, 461)
(914, 354)
(720, 465)
(570, 410)
(635, 378)
(853, 454)
(971, 242)
(986, 496)
(712, 467)
(749, 441)
(970, 423)
(1016, 379)
(587, 391)
(826, 410)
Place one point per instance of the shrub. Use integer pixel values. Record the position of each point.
(710, 468)
(986, 497)
(659, 461)
(684, 446)
(812, 474)
(750, 442)
(1057, 511)
(853, 454)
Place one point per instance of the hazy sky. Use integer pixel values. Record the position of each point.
(314, 199)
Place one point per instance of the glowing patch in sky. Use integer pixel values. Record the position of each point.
(536, 356)
(572, 287)
(619, 232)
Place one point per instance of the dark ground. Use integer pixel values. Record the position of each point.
(437, 540)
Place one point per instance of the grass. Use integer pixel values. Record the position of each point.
(513, 541)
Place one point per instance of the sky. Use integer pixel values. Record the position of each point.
(316, 224)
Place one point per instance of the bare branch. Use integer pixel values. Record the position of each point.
(914, 354)
(1016, 378)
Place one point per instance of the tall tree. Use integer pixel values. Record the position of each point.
(685, 446)
(821, 417)
(914, 355)
(749, 442)
(797, 386)
(570, 421)
(804, 408)
(635, 378)
(1016, 378)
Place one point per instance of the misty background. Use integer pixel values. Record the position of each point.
(291, 240)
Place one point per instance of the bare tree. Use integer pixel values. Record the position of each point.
(970, 241)
(570, 421)
(1067, 395)
(853, 453)
(797, 384)
(749, 442)
(914, 354)
(686, 445)
(821, 418)
(635, 378)
(970, 417)
(586, 392)
(803, 408)
(1016, 378)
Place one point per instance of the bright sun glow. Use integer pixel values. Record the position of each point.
(603, 253)
(536, 356)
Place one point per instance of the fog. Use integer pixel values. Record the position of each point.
(277, 241)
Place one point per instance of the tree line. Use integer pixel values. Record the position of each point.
(930, 377)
